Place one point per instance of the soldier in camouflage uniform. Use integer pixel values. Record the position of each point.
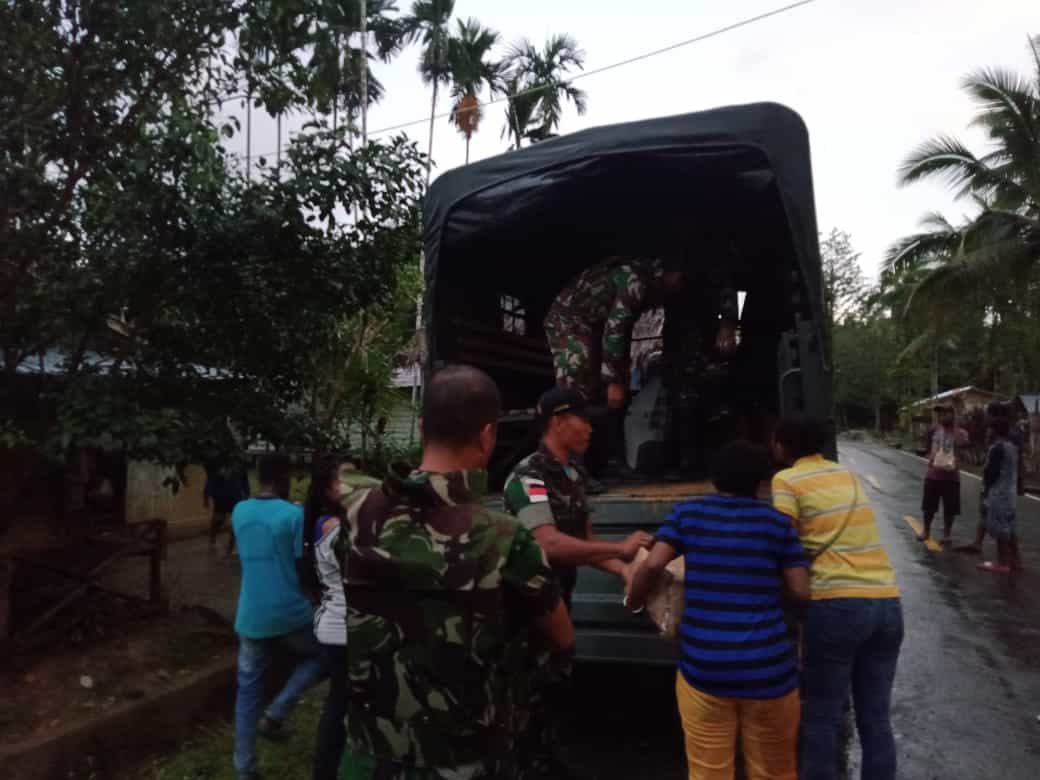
(442, 595)
(589, 326)
(546, 492)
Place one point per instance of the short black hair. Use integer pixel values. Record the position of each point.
(1000, 426)
(458, 403)
(801, 435)
(273, 468)
(740, 468)
(997, 409)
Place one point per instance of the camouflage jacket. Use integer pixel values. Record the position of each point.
(541, 490)
(439, 591)
(610, 296)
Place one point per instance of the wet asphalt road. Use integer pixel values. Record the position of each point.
(967, 693)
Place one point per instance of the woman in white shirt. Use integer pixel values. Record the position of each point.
(321, 524)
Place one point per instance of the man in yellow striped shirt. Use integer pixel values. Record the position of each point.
(854, 625)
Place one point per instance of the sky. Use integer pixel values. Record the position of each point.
(871, 78)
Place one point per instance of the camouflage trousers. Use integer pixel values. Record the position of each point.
(548, 699)
(576, 352)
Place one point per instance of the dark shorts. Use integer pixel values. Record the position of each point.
(1001, 523)
(946, 491)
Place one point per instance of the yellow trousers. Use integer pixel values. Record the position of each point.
(768, 730)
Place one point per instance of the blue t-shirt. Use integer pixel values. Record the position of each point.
(733, 639)
(269, 535)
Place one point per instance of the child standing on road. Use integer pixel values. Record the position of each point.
(1000, 494)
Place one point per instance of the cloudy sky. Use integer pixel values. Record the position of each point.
(871, 78)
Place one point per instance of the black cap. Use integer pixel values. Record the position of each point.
(566, 400)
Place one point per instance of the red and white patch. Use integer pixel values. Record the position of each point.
(536, 490)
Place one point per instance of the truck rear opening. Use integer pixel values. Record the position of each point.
(504, 236)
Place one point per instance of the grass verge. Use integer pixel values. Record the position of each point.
(206, 755)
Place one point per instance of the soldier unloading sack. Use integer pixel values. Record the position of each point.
(589, 328)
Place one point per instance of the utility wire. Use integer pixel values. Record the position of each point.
(594, 72)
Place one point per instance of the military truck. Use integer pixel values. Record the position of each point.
(730, 191)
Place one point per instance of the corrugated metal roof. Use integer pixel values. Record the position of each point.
(1031, 402)
(947, 394)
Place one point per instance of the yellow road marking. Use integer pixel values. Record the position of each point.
(930, 543)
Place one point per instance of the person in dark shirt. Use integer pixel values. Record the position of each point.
(997, 410)
(737, 671)
(225, 487)
(1000, 489)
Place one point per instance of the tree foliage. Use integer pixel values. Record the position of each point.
(129, 231)
(843, 282)
(539, 80)
(472, 69)
(982, 273)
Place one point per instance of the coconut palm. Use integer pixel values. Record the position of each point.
(429, 24)
(1003, 238)
(542, 74)
(471, 70)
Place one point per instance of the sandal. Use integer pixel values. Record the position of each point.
(993, 567)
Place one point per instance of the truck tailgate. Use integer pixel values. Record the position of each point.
(606, 630)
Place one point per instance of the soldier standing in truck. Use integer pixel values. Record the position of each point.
(589, 328)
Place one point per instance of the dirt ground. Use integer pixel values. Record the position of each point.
(113, 657)
(49, 690)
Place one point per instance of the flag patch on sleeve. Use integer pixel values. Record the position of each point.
(536, 490)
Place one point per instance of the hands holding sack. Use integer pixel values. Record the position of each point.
(665, 601)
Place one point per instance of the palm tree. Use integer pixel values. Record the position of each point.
(540, 84)
(1003, 237)
(336, 65)
(519, 110)
(471, 70)
(429, 24)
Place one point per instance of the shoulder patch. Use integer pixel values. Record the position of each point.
(535, 489)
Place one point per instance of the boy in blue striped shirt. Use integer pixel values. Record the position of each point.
(737, 671)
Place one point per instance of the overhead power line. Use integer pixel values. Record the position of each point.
(594, 72)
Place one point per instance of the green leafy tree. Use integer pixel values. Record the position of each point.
(843, 282)
(864, 368)
(227, 308)
(81, 84)
(129, 232)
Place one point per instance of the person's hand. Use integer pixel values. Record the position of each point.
(634, 543)
(616, 395)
